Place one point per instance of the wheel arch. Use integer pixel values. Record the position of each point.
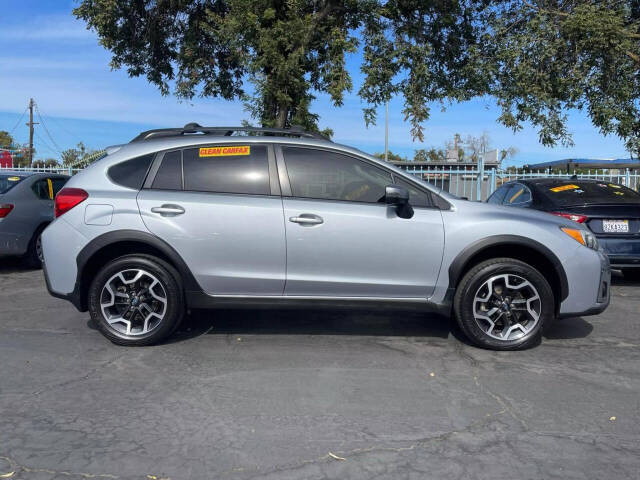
(124, 242)
(520, 248)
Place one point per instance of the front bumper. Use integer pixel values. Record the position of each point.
(588, 297)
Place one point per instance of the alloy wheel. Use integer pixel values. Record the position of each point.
(133, 302)
(507, 307)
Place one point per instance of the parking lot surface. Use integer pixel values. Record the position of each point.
(313, 395)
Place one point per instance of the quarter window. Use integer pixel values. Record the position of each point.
(332, 176)
(131, 173)
(227, 169)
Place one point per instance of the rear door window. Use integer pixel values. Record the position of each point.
(240, 169)
(169, 175)
(575, 192)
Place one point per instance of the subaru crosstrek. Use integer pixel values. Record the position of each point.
(205, 217)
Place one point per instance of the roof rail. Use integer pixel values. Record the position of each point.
(194, 128)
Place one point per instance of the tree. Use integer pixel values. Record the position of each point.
(6, 140)
(80, 156)
(535, 58)
(430, 155)
(544, 57)
(393, 157)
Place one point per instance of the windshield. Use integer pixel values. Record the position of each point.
(8, 181)
(575, 192)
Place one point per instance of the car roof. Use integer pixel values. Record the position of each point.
(556, 180)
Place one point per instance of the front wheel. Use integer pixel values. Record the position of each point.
(136, 300)
(503, 304)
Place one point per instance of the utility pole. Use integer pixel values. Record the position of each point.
(30, 125)
(386, 131)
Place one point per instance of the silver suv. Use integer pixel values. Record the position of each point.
(200, 217)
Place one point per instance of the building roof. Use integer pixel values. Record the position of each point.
(571, 163)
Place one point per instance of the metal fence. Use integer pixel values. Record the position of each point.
(478, 184)
(474, 184)
(62, 170)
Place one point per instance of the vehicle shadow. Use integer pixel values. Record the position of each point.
(568, 329)
(314, 322)
(14, 265)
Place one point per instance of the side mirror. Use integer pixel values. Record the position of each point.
(398, 196)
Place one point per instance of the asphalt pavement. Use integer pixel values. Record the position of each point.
(313, 395)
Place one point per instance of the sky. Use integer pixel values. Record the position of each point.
(47, 54)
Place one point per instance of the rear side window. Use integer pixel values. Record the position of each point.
(42, 190)
(497, 196)
(131, 173)
(57, 184)
(518, 194)
(227, 169)
(575, 192)
(169, 175)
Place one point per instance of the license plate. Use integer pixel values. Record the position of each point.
(615, 226)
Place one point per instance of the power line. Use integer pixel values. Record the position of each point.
(45, 144)
(19, 120)
(44, 125)
(59, 124)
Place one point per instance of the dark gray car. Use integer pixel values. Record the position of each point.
(26, 208)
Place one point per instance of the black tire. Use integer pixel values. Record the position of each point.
(170, 281)
(631, 274)
(32, 258)
(463, 303)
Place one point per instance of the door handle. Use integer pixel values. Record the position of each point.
(168, 210)
(307, 219)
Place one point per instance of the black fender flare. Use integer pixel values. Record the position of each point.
(456, 268)
(119, 236)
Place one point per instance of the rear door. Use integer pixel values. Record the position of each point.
(219, 207)
(343, 240)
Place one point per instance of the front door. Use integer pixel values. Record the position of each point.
(221, 217)
(344, 241)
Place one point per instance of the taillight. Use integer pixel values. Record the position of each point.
(571, 216)
(5, 208)
(68, 198)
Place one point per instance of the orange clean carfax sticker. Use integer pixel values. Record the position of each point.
(562, 188)
(225, 151)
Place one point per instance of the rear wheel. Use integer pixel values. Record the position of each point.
(136, 300)
(503, 304)
(33, 258)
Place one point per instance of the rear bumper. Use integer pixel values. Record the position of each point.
(622, 252)
(73, 297)
(13, 244)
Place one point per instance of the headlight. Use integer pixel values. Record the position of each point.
(583, 237)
